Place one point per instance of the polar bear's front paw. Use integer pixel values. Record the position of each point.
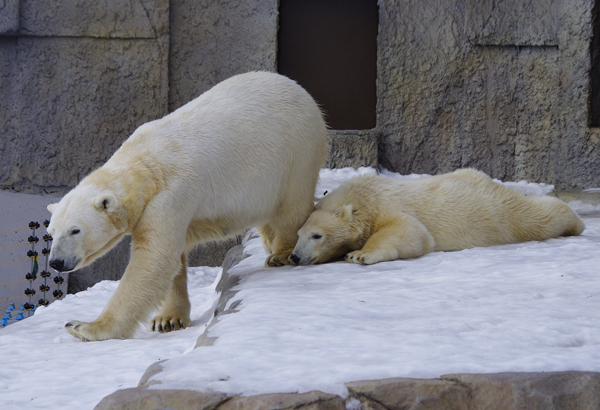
(79, 329)
(164, 324)
(278, 259)
(363, 258)
(87, 332)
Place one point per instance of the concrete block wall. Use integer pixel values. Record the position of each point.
(500, 86)
(77, 78)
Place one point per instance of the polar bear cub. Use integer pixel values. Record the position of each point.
(372, 219)
(245, 153)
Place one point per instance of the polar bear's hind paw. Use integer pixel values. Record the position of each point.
(165, 324)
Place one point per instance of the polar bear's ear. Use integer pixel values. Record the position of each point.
(51, 207)
(347, 211)
(106, 202)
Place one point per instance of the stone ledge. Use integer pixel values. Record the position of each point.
(501, 391)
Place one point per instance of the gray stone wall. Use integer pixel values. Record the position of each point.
(214, 40)
(500, 86)
(77, 79)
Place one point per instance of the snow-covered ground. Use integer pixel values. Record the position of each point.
(524, 307)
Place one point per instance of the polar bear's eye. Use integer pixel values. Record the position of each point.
(317, 236)
(75, 231)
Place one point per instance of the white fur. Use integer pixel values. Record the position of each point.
(372, 218)
(245, 153)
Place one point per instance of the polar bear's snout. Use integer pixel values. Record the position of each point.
(294, 258)
(57, 264)
(60, 261)
(61, 266)
(301, 260)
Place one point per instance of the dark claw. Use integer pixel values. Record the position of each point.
(77, 327)
(69, 324)
(154, 326)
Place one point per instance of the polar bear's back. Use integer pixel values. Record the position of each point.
(465, 209)
(239, 149)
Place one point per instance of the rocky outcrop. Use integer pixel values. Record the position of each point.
(138, 399)
(503, 391)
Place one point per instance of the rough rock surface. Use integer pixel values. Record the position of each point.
(501, 391)
(499, 86)
(536, 391)
(212, 41)
(140, 399)
(353, 148)
(76, 81)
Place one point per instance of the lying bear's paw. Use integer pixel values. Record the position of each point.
(278, 259)
(164, 324)
(363, 258)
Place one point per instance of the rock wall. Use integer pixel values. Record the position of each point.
(77, 78)
(500, 86)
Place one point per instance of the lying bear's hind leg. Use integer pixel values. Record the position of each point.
(398, 237)
(175, 311)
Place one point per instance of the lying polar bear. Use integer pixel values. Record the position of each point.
(245, 153)
(373, 219)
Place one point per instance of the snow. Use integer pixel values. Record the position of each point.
(523, 307)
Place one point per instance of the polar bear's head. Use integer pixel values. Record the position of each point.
(325, 235)
(85, 224)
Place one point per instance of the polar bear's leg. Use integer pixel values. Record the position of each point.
(175, 311)
(285, 237)
(267, 235)
(399, 237)
(140, 291)
(290, 218)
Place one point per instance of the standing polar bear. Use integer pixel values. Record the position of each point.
(373, 219)
(245, 153)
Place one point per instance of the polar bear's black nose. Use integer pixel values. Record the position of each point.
(57, 264)
(294, 258)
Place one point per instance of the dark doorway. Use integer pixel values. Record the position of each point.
(595, 70)
(330, 48)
